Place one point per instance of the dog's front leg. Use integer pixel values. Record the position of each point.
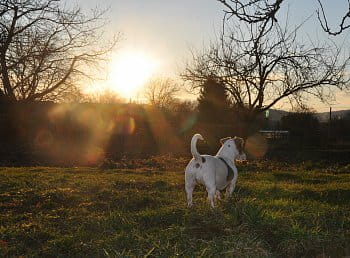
(232, 185)
(217, 195)
(230, 188)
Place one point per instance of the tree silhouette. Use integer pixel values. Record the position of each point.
(215, 118)
(45, 48)
(214, 106)
(256, 11)
(262, 62)
(161, 92)
(106, 96)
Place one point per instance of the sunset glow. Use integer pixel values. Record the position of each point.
(129, 71)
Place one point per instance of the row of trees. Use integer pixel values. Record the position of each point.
(39, 132)
(258, 59)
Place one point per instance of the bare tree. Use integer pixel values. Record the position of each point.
(105, 97)
(261, 63)
(253, 11)
(45, 48)
(161, 92)
(344, 21)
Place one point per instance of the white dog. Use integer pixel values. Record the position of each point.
(214, 172)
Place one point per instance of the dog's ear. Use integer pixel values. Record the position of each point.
(223, 140)
(239, 144)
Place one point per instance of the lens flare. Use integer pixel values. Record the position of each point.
(256, 146)
(44, 138)
(130, 126)
(189, 123)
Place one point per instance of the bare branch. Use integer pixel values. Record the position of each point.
(252, 11)
(262, 11)
(261, 65)
(161, 92)
(44, 48)
(344, 22)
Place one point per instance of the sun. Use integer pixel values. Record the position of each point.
(129, 71)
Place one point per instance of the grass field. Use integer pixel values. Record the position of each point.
(276, 210)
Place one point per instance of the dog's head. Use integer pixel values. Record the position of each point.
(233, 147)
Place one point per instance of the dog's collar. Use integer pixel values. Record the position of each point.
(229, 170)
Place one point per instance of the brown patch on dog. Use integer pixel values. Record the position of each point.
(239, 144)
(223, 140)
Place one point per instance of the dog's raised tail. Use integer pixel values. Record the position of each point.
(194, 151)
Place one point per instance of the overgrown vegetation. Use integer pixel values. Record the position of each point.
(277, 210)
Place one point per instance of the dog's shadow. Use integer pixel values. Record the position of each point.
(203, 222)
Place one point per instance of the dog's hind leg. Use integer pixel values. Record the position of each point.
(189, 191)
(211, 195)
(189, 187)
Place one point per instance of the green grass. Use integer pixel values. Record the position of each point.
(276, 210)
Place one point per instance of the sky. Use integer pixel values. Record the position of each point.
(166, 30)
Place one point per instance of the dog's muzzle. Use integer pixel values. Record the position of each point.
(241, 157)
